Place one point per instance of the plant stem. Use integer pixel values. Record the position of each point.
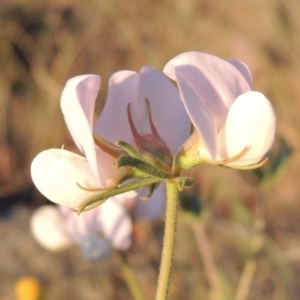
(169, 241)
(130, 278)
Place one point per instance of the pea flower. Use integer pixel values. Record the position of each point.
(96, 231)
(67, 178)
(235, 126)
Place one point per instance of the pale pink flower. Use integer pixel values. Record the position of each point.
(96, 231)
(227, 114)
(56, 172)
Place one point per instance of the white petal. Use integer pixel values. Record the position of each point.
(107, 173)
(113, 122)
(47, 227)
(215, 81)
(251, 122)
(77, 104)
(201, 116)
(56, 172)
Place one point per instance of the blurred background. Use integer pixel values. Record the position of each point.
(238, 231)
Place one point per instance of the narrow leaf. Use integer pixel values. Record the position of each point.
(116, 191)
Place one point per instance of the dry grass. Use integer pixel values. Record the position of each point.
(248, 222)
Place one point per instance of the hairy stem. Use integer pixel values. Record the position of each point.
(169, 241)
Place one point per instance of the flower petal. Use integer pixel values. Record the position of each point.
(168, 112)
(116, 224)
(129, 87)
(47, 227)
(77, 104)
(56, 172)
(153, 207)
(108, 174)
(216, 82)
(251, 122)
(200, 115)
(113, 122)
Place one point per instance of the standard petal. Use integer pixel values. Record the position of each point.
(200, 115)
(168, 112)
(251, 122)
(129, 87)
(115, 224)
(77, 104)
(153, 207)
(216, 82)
(113, 122)
(56, 172)
(47, 227)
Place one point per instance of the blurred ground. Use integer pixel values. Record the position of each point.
(250, 219)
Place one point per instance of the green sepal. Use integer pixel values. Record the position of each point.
(188, 156)
(147, 157)
(156, 162)
(130, 150)
(108, 147)
(102, 197)
(186, 163)
(184, 182)
(141, 166)
(151, 143)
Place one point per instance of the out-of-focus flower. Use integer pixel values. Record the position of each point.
(96, 231)
(47, 227)
(235, 125)
(56, 172)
